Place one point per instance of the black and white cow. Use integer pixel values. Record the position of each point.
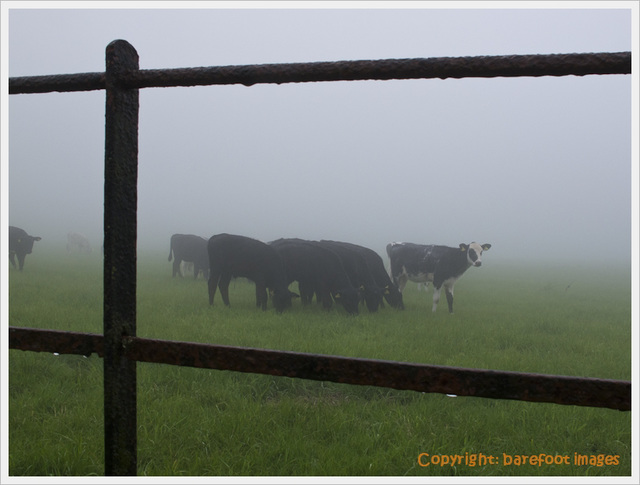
(192, 249)
(441, 265)
(78, 243)
(319, 270)
(20, 244)
(232, 256)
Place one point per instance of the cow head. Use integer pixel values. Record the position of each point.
(393, 296)
(348, 298)
(27, 243)
(474, 252)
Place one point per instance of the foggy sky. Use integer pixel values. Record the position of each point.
(538, 167)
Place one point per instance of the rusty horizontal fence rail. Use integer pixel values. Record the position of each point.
(578, 391)
(55, 341)
(385, 69)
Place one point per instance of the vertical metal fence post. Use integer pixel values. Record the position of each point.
(120, 235)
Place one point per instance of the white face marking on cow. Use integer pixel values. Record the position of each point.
(474, 254)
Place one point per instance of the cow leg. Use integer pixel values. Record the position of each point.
(12, 259)
(261, 295)
(436, 297)
(324, 296)
(395, 273)
(449, 292)
(306, 292)
(223, 284)
(448, 288)
(176, 268)
(401, 281)
(198, 269)
(213, 284)
(21, 261)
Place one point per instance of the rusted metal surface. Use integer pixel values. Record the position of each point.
(62, 83)
(384, 69)
(55, 341)
(120, 236)
(578, 391)
(441, 68)
(396, 375)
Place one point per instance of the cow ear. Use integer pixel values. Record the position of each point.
(463, 247)
(486, 247)
(38, 238)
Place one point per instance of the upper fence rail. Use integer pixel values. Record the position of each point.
(387, 69)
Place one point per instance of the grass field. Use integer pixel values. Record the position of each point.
(558, 319)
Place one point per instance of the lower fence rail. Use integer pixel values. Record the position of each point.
(567, 390)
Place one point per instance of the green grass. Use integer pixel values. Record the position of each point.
(555, 320)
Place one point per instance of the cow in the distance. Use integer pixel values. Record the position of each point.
(20, 244)
(78, 243)
(232, 256)
(440, 265)
(192, 249)
(318, 270)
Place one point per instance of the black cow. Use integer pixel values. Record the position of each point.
(358, 271)
(318, 270)
(20, 244)
(192, 249)
(441, 265)
(377, 270)
(233, 256)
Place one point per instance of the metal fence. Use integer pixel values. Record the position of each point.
(121, 348)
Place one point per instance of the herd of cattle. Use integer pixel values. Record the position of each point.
(334, 272)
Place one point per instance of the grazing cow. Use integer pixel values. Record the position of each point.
(377, 270)
(441, 265)
(78, 243)
(192, 249)
(318, 270)
(358, 272)
(20, 244)
(233, 256)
